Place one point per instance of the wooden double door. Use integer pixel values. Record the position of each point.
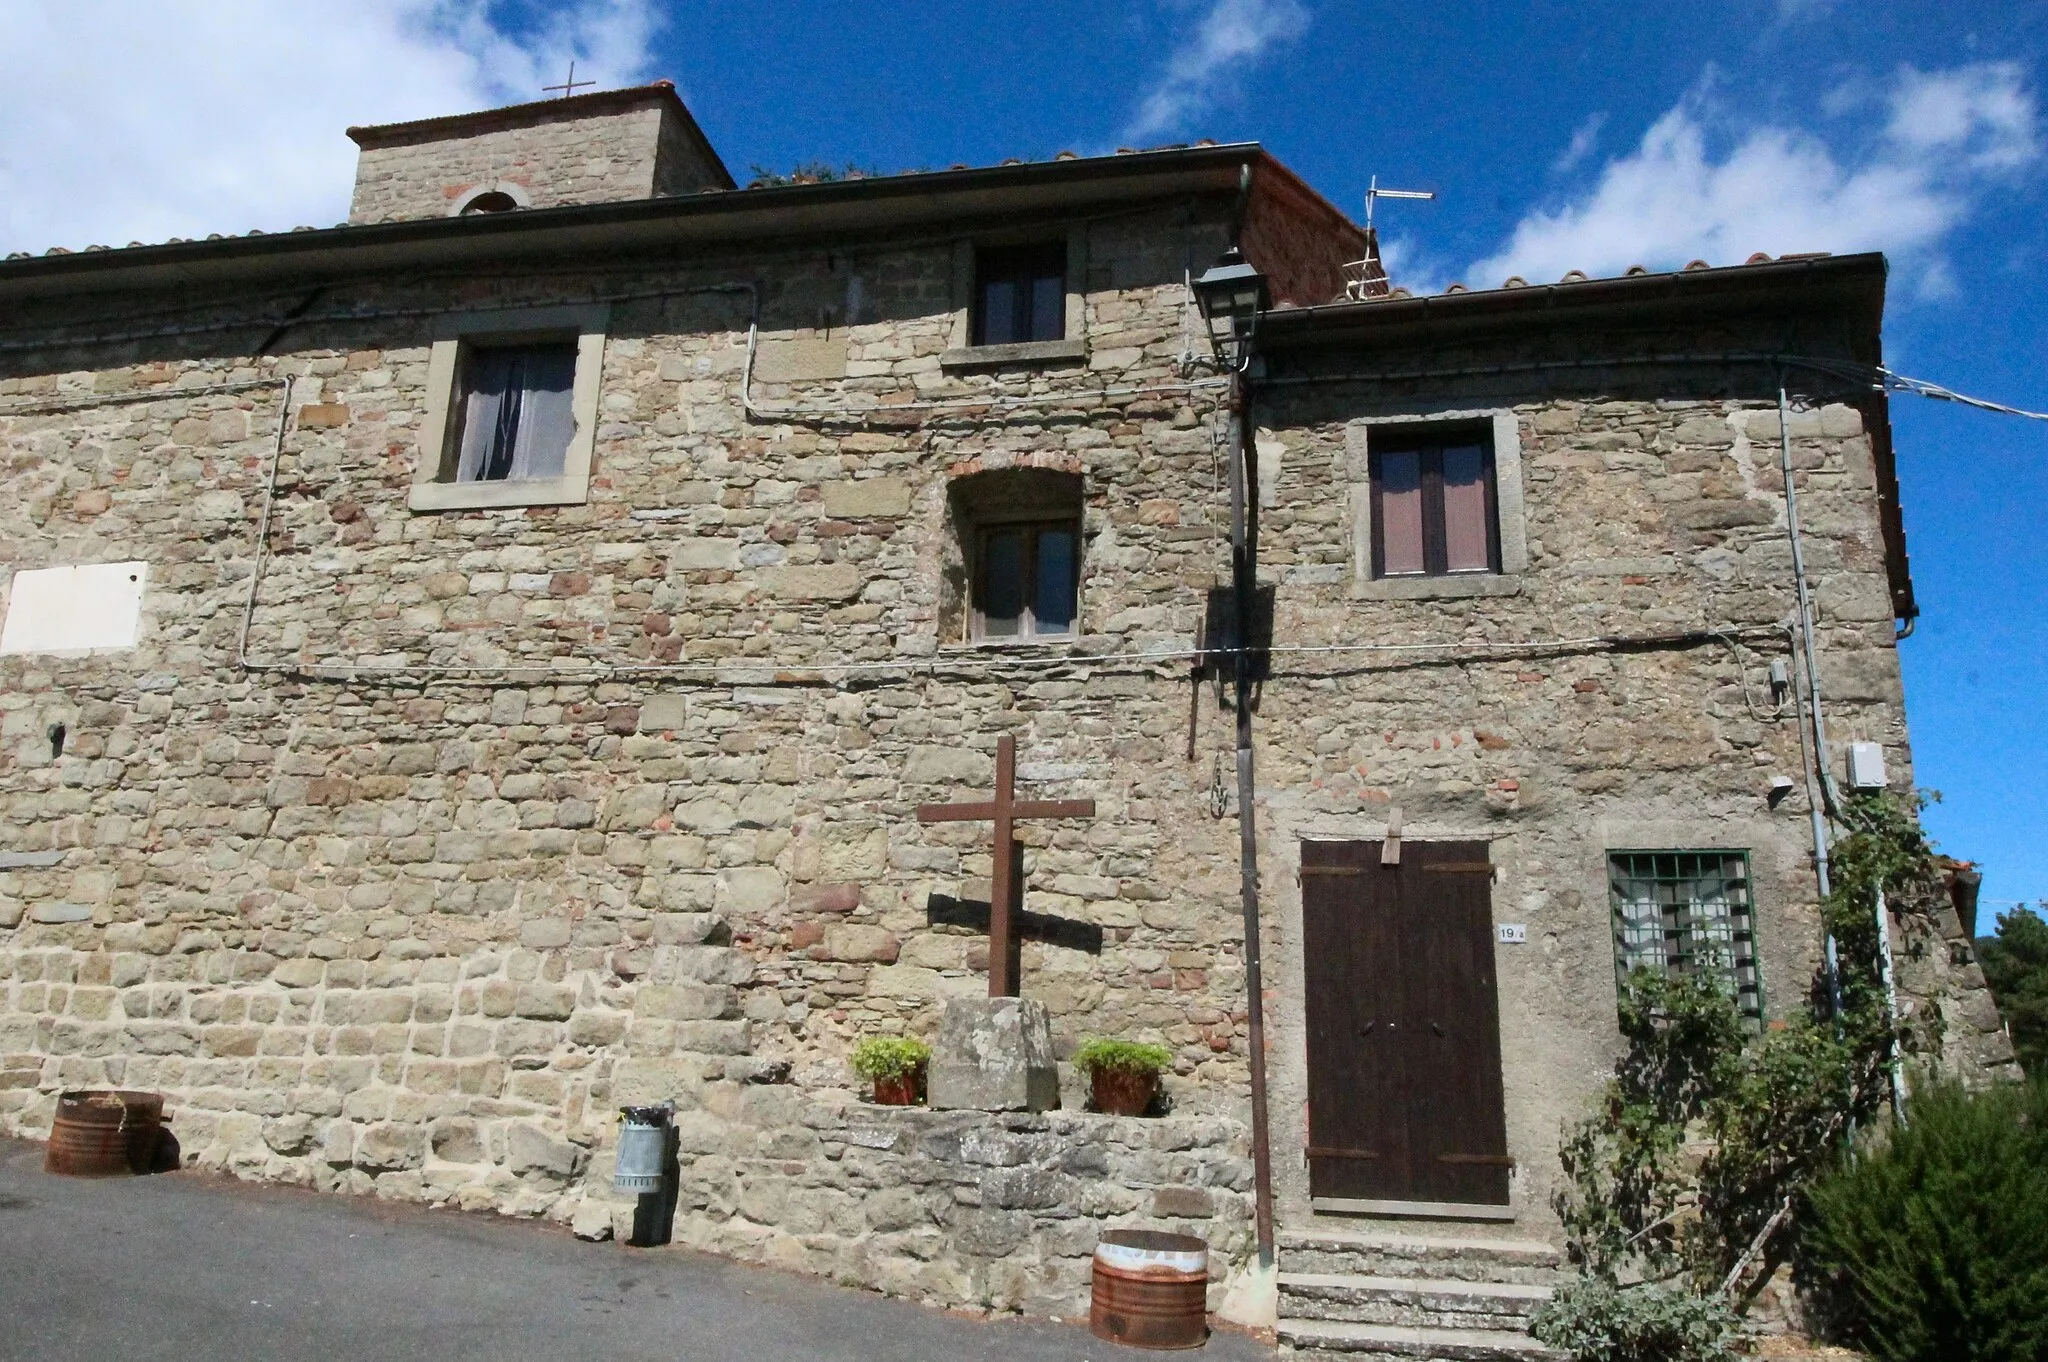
(1404, 1078)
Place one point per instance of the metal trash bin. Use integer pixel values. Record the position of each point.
(643, 1147)
(1151, 1289)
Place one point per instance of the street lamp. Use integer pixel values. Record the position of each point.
(1232, 294)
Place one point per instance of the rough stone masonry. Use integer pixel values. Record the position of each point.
(405, 846)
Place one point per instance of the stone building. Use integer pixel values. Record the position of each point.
(476, 666)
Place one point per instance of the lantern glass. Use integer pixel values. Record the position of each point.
(1231, 295)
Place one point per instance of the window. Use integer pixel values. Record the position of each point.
(1435, 507)
(1013, 567)
(511, 415)
(1024, 579)
(495, 201)
(1020, 294)
(1686, 912)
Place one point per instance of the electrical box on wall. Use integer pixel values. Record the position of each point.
(1866, 766)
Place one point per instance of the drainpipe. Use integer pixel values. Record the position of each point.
(1815, 807)
(1244, 587)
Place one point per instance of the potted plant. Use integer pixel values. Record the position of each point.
(1123, 1073)
(895, 1066)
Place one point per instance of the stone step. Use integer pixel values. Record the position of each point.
(1374, 1252)
(1420, 1302)
(1343, 1341)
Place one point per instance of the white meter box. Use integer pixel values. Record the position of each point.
(74, 609)
(1866, 766)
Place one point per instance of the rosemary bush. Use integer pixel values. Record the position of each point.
(1936, 1238)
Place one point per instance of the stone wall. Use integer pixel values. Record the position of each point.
(516, 815)
(1654, 510)
(412, 936)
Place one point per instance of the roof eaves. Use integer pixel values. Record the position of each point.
(1574, 293)
(825, 195)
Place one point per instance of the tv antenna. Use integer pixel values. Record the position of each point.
(1367, 278)
(1374, 192)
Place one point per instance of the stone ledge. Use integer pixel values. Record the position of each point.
(1437, 588)
(469, 496)
(1018, 354)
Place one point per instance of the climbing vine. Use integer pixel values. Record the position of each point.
(1691, 1170)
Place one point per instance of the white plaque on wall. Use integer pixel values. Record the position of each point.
(73, 609)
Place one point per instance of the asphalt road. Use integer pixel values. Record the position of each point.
(186, 1265)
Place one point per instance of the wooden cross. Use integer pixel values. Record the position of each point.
(1006, 884)
(568, 87)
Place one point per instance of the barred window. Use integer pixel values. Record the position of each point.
(1685, 912)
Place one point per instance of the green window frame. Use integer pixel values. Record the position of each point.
(1684, 912)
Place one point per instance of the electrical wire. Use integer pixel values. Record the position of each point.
(767, 672)
(1920, 387)
(57, 406)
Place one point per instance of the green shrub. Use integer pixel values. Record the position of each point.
(1936, 1240)
(889, 1056)
(1125, 1056)
(1596, 1321)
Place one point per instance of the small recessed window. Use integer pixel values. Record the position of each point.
(514, 414)
(1435, 508)
(1025, 579)
(496, 201)
(1686, 912)
(1020, 294)
(1014, 570)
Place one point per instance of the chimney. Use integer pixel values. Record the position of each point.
(603, 147)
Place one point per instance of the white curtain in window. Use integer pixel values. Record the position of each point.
(517, 417)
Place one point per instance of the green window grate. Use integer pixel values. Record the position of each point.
(1681, 912)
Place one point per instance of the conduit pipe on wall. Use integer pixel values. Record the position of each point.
(284, 413)
(1817, 809)
(1831, 797)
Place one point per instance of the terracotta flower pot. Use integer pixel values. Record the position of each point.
(1124, 1092)
(902, 1090)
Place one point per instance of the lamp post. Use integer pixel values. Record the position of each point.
(1232, 294)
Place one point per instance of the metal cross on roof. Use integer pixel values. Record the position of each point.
(568, 87)
(1006, 883)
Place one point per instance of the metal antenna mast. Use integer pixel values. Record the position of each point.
(1367, 278)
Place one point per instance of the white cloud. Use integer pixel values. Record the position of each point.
(1947, 139)
(145, 119)
(1231, 34)
(1584, 138)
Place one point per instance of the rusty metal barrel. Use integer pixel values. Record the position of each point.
(1151, 1289)
(104, 1134)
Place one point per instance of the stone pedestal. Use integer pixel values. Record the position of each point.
(993, 1054)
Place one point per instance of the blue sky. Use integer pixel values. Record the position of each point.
(1558, 135)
